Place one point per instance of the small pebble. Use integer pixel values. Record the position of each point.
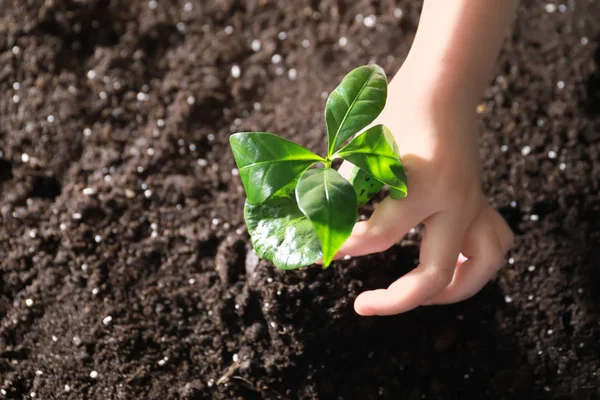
(236, 358)
(210, 382)
(50, 118)
(191, 100)
(94, 374)
(32, 395)
(215, 221)
(88, 191)
(235, 172)
(67, 388)
(343, 41)
(29, 302)
(91, 74)
(87, 132)
(562, 8)
(269, 280)
(292, 74)
(130, 194)
(359, 18)
(560, 84)
(526, 150)
(273, 325)
(511, 261)
(202, 162)
(25, 157)
(562, 166)
(152, 4)
(552, 154)
(39, 372)
(282, 35)
(255, 45)
(148, 193)
(76, 340)
(370, 21)
(398, 13)
(236, 71)
(54, 338)
(508, 299)
(16, 50)
(84, 267)
(550, 8)
(306, 43)
(162, 362)
(513, 204)
(550, 331)
(16, 85)
(534, 217)
(229, 29)
(530, 297)
(188, 7)
(180, 26)
(531, 268)
(278, 71)
(16, 98)
(98, 238)
(3, 392)
(160, 123)
(584, 41)
(210, 137)
(142, 96)
(276, 59)
(107, 320)
(191, 281)
(77, 216)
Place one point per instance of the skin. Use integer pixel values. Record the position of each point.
(431, 109)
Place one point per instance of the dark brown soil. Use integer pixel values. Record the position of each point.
(158, 242)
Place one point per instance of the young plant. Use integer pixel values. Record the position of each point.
(297, 215)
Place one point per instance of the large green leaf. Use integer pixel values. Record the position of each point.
(268, 162)
(282, 234)
(376, 152)
(365, 185)
(354, 104)
(329, 202)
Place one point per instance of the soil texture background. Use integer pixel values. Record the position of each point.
(125, 266)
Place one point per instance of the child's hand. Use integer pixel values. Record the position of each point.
(437, 137)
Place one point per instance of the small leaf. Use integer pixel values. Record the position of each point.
(268, 162)
(329, 202)
(375, 152)
(354, 104)
(365, 185)
(282, 234)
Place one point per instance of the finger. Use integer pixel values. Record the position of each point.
(486, 256)
(439, 251)
(390, 221)
(505, 235)
(345, 169)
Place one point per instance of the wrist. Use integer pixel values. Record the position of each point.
(437, 85)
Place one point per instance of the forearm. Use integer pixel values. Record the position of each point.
(457, 44)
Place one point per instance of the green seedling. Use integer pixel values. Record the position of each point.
(296, 214)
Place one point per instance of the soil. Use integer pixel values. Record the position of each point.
(143, 286)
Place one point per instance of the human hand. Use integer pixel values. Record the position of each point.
(437, 137)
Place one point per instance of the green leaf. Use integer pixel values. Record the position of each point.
(268, 162)
(354, 104)
(282, 234)
(365, 185)
(376, 152)
(329, 202)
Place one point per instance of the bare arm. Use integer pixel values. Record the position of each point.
(431, 111)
